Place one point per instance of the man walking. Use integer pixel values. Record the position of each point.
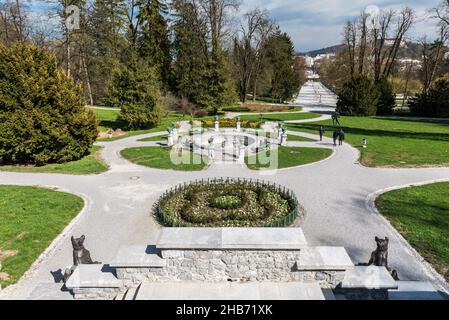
(321, 133)
(341, 137)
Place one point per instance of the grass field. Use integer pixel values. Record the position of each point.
(421, 215)
(291, 137)
(392, 142)
(288, 157)
(280, 116)
(91, 164)
(159, 158)
(156, 138)
(30, 218)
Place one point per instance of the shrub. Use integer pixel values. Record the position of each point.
(387, 100)
(135, 89)
(42, 114)
(433, 104)
(231, 123)
(358, 97)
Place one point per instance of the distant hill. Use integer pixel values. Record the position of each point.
(327, 50)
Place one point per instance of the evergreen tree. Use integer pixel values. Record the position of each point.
(108, 42)
(435, 103)
(284, 81)
(42, 114)
(153, 40)
(358, 97)
(135, 89)
(387, 100)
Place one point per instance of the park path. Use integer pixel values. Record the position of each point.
(335, 194)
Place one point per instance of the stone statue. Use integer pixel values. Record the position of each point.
(80, 256)
(379, 257)
(335, 117)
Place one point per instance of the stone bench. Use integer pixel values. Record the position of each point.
(133, 262)
(94, 281)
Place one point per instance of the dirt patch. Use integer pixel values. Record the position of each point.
(7, 253)
(111, 134)
(21, 235)
(4, 276)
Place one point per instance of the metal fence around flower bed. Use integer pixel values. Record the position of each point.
(286, 193)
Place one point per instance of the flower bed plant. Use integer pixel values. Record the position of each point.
(231, 123)
(228, 203)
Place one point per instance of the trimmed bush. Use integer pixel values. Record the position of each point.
(231, 123)
(387, 100)
(42, 115)
(433, 104)
(358, 97)
(135, 89)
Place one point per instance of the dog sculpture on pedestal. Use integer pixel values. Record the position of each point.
(379, 257)
(80, 256)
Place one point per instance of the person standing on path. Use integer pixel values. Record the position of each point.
(335, 136)
(321, 133)
(341, 137)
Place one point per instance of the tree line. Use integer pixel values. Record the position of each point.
(144, 56)
(366, 71)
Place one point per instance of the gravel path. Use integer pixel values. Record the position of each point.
(335, 194)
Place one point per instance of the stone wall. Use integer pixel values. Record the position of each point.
(229, 265)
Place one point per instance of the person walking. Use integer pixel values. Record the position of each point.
(321, 133)
(341, 137)
(335, 136)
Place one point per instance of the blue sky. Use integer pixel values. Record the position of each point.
(314, 24)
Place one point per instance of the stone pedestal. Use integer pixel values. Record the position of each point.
(284, 139)
(216, 126)
(238, 128)
(170, 140)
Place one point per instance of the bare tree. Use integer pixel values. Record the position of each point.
(442, 12)
(350, 40)
(249, 49)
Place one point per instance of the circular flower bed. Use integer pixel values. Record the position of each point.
(228, 203)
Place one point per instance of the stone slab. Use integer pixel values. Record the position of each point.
(368, 277)
(232, 238)
(229, 291)
(324, 258)
(414, 290)
(136, 256)
(93, 276)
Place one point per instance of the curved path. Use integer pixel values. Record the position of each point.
(335, 193)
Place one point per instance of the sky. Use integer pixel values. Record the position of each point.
(315, 24)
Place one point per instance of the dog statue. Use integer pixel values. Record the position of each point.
(379, 257)
(80, 256)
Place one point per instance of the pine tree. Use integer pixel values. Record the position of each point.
(42, 114)
(134, 88)
(358, 97)
(387, 100)
(153, 39)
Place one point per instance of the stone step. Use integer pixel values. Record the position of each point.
(93, 276)
(229, 291)
(324, 258)
(137, 256)
(131, 294)
(368, 277)
(414, 290)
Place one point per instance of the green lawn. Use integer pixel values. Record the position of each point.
(108, 118)
(91, 164)
(159, 158)
(280, 116)
(421, 215)
(156, 138)
(392, 142)
(30, 218)
(291, 137)
(288, 157)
